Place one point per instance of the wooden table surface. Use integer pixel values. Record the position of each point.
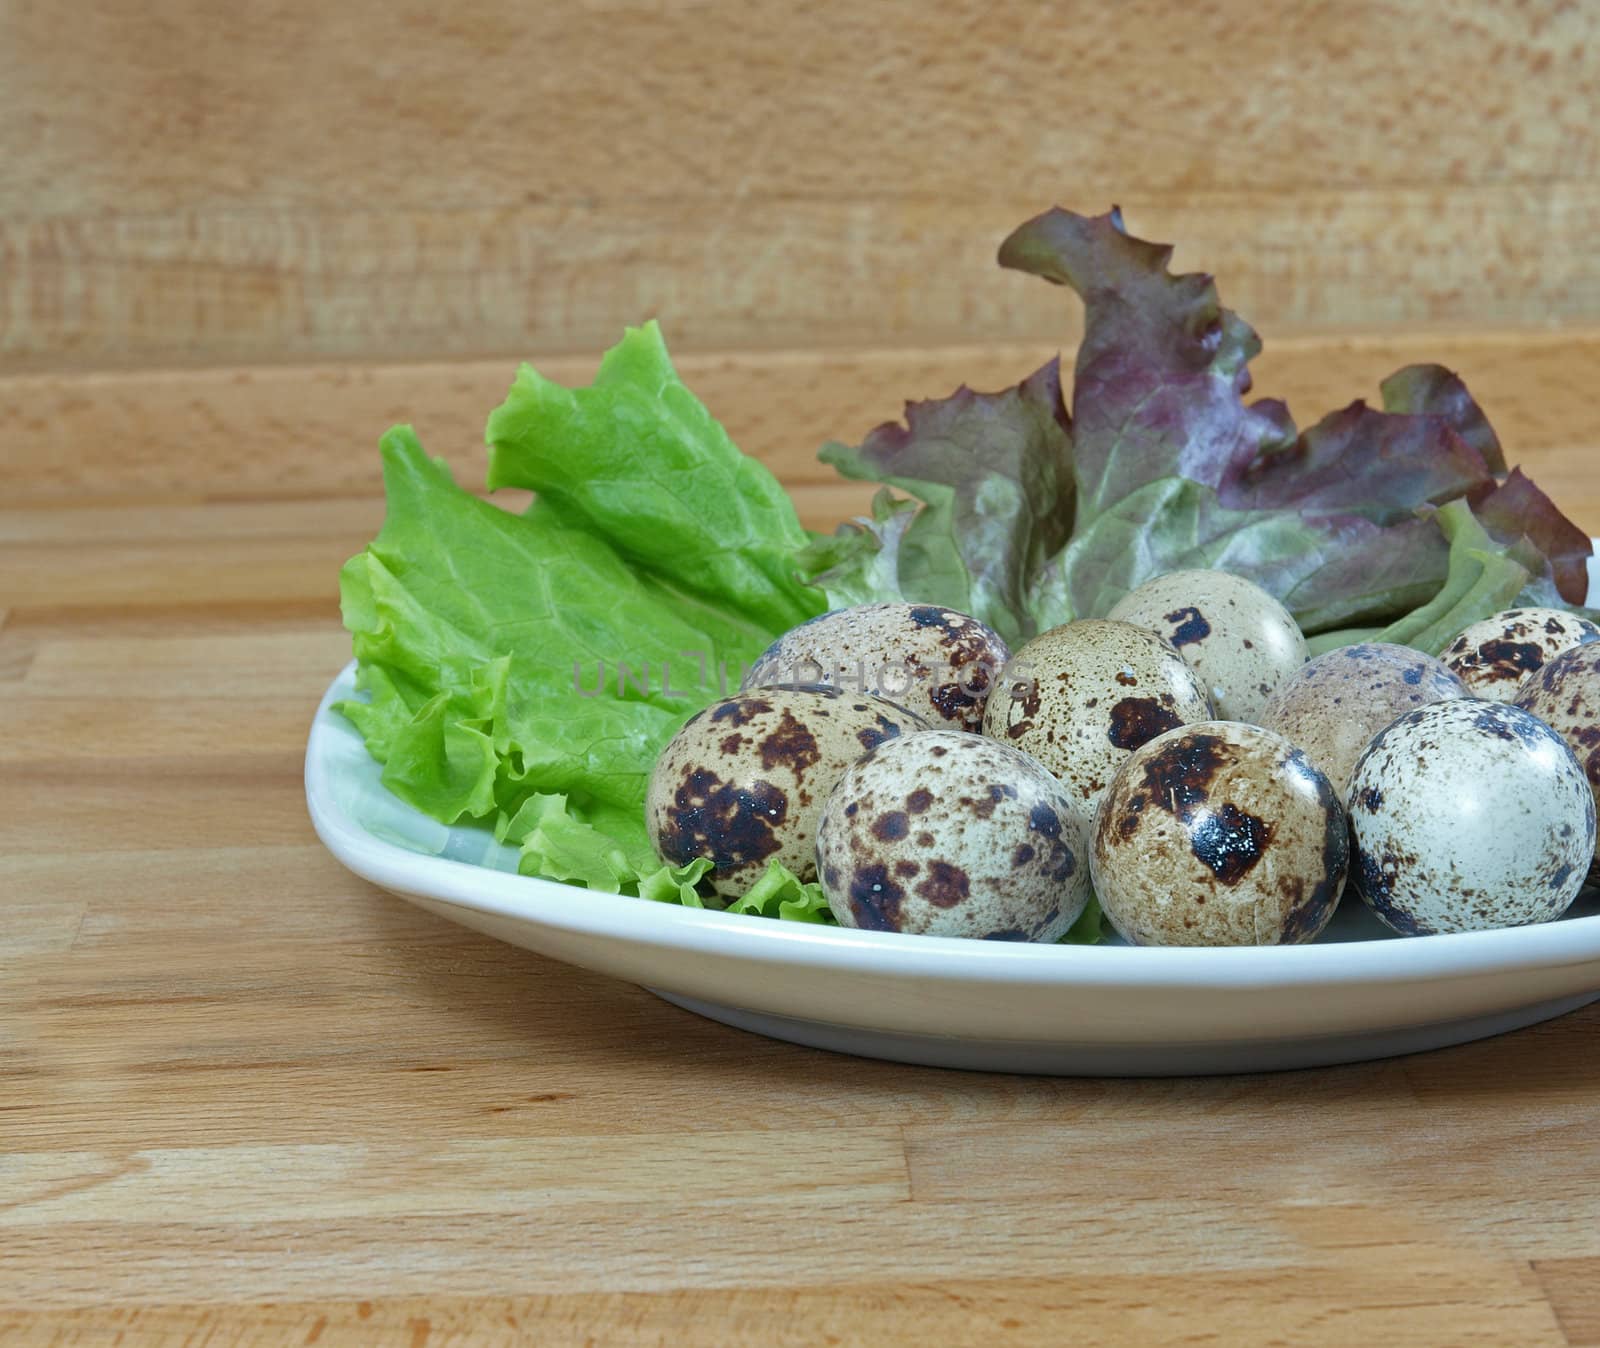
(249, 1099)
(388, 180)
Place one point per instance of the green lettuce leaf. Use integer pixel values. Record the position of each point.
(524, 670)
(559, 846)
(779, 893)
(1090, 928)
(860, 562)
(637, 460)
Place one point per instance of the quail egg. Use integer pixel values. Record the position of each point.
(743, 781)
(1219, 833)
(939, 663)
(1565, 695)
(950, 834)
(1495, 656)
(1467, 815)
(1333, 705)
(1240, 640)
(1081, 697)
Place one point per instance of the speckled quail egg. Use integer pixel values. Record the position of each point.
(1080, 698)
(1467, 815)
(743, 782)
(1333, 706)
(939, 663)
(1495, 656)
(950, 834)
(1240, 640)
(1565, 695)
(1219, 833)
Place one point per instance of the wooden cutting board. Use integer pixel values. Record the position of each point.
(248, 1099)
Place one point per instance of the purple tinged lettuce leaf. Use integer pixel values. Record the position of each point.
(1345, 570)
(1163, 368)
(1436, 391)
(994, 474)
(1509, 505)
(1484, 576)
(1176, 470)
(1359, 461)
(1355, 524)
(1516, 508)
(1160, 394)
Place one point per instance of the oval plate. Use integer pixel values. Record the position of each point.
(1108, 1010)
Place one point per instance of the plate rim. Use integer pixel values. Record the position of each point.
(706, 932)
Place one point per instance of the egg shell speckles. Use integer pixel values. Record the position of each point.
(1220, 833)
(939, 663)
(950, 834)
(1468, 815)
(744, 780)
(1565, 695)
(1240, 640)
(1495, 657)
(1081, 697)
(1333, 706)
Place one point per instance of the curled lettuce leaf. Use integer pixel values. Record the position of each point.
(1483, 577)
(1436, 391)
(1378, 466)
(994, 474)
(780, 893)
(860, 563)
(1515, 509)
(635, 459)
(524, 670)
(1355, 523)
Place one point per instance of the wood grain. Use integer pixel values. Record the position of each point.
(1569, 1283)
(201, 288)
(1490, 1306)
(515, 178)
(240, 438)
(903, 84)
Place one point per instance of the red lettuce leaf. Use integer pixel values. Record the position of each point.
(1516, 508)
(1160, 394)
(994, 473)
(1163, 368)
(1436, 391)
(1031, 518)
(1358, 461)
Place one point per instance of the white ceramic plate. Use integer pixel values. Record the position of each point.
(1103, 1010)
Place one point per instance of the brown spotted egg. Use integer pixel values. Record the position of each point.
(1219, 833)
(1565, 695)
(1240, 640)
(1333, 706)
(743, 782)
(1080, 698)
(950, 834)
(1495, 656)
(1467, 815)
(938, 662)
